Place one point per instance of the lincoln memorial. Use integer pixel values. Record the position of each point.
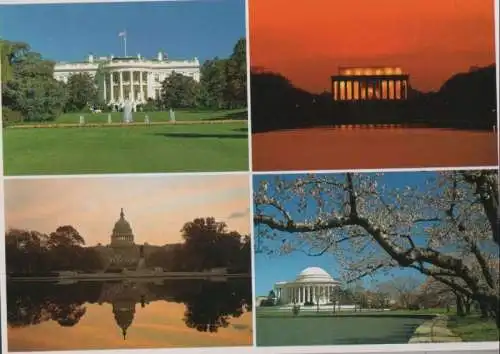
(129, 78)
(370, 84)
(313, 285)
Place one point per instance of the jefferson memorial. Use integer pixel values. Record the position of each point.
(312, 285)
(129, 78)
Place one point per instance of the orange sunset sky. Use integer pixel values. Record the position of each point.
(307, 40)
(156, 206)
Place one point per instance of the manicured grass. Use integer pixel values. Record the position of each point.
(474, 329)
(345, 328)
(180, 115)
(127, 149)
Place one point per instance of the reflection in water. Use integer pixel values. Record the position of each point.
(209, 306)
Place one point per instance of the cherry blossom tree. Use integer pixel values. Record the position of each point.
(446, 229)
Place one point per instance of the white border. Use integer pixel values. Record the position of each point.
(467, 347)
(3, 291)
(250, 176)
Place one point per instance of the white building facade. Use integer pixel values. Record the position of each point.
(312, 285)
(129, 78)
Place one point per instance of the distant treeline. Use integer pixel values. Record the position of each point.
(207, 244)
(465, 101)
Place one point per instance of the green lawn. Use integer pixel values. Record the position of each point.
(474, 329)
(128, 149)
(180, 115)
(327, 329)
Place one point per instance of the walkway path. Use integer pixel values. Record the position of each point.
(434, 331)
(120, 124)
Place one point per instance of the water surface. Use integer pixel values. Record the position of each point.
(129, 314)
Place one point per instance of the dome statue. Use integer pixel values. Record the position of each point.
(122, 232)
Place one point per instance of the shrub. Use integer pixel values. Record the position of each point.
(10, 117)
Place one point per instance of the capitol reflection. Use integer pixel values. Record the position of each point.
(129, 314)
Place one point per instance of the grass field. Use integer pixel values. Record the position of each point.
(474, 329)
(279, 328)
(329, 148)
(344, 328)
(127, 149)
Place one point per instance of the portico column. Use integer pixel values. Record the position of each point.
(111, 92)
(121, 86)
(141, 73)
(132, 85)
(104, 88)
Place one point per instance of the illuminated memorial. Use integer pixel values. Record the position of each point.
(368, 84)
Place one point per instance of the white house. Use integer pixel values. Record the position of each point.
(135, 78)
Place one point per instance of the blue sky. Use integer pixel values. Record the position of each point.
(272, 268)
(182, 29)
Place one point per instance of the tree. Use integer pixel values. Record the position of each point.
(213, 84)
(32, 252)
(179, 91)
(208, 244)
(32, 89)
(10, 52)
(403, 289)
(82, 91)
(414, 227)
(65, 236)
(236, 75)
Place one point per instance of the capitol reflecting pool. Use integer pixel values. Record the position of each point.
(129, 314)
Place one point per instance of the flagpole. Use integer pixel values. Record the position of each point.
(125, 43)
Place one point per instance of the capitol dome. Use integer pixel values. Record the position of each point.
(314, 274)
(122, 232)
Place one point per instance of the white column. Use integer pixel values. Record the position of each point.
(150, 85)
(111, 92)
(132, 85)
(141, 85)
(104, 88)
(121, 86)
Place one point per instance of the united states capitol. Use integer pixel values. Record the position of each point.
(133, 78)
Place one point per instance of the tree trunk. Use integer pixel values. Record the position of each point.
(460, 306)
(467, 307)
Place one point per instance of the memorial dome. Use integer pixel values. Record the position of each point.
(314, 274)
(122, 232)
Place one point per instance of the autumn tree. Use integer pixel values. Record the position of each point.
(372, 227)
